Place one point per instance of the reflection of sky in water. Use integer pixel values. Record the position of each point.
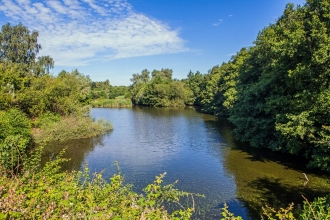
(150, 141)
(199, 151)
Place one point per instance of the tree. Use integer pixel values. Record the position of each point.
(283, 91)
(19, 45)
(43, 65)
(161, 90)
(194, 82)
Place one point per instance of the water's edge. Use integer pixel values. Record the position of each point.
(198, 150)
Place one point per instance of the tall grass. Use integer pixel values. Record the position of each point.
(118, 102)
(71, 127)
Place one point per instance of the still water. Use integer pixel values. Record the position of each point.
(199, 151)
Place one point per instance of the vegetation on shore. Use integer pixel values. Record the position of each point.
(49, 193)
(319, 209)
(70, 127)
(276, 93)
(36, 107)
(118, 102)
(104, 95)
(159, 90)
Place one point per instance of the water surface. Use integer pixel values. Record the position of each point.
(199, 151)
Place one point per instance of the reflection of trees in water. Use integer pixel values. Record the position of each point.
(165, 112)
(76, 150)
(264, 177)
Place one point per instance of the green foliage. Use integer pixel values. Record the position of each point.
(63, 95)
(318, 209)
(25, 81)
(100, 89)
(277, 92)
(103, 90)
(160, 90)
(118, 102)
(226, 215)
(12, 79)
(194, 82)
(46, 120)
(70, 127)
(18, 45)
(282, 213)
(15, 136)
(116, 91)
(14, 122)
(57, 105)
(284, 98)
(211, 97)
(52, 194)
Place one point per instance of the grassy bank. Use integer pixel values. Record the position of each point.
(70, 127)
(118, 102)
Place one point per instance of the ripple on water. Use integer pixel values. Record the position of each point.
(199, 151)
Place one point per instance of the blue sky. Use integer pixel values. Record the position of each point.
(112, 39)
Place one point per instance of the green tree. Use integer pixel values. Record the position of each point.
(19, 45)
(15, 136)
(283, 90)
(160, 90)
(194, 82)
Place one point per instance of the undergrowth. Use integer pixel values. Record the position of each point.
(49, 193)
(69, 127)
(118, 102)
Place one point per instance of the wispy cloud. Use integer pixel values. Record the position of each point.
(219, 22)
(77, 32)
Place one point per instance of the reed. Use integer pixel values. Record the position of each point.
(118, 102)
(71, 127)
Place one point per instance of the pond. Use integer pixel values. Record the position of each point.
(198, 150)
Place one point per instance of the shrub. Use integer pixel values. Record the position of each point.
(46, 119)
(318, 209)
(15, 136)
(52, 194)
(119, 102)
(71, 127)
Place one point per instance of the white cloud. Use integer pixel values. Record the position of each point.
(219, 22)
(77, 32)
(57, 6)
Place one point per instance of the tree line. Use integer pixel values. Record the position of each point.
(275, 92)
(35, 104)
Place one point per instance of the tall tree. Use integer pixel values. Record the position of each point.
(283, 92)
(19, 45)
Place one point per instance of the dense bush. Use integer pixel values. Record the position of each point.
(62, 95)
(277, 92)
(119, 102)
(46, 119)
(319, 209)
(49, 193)
(160, 90)
(15, 136)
